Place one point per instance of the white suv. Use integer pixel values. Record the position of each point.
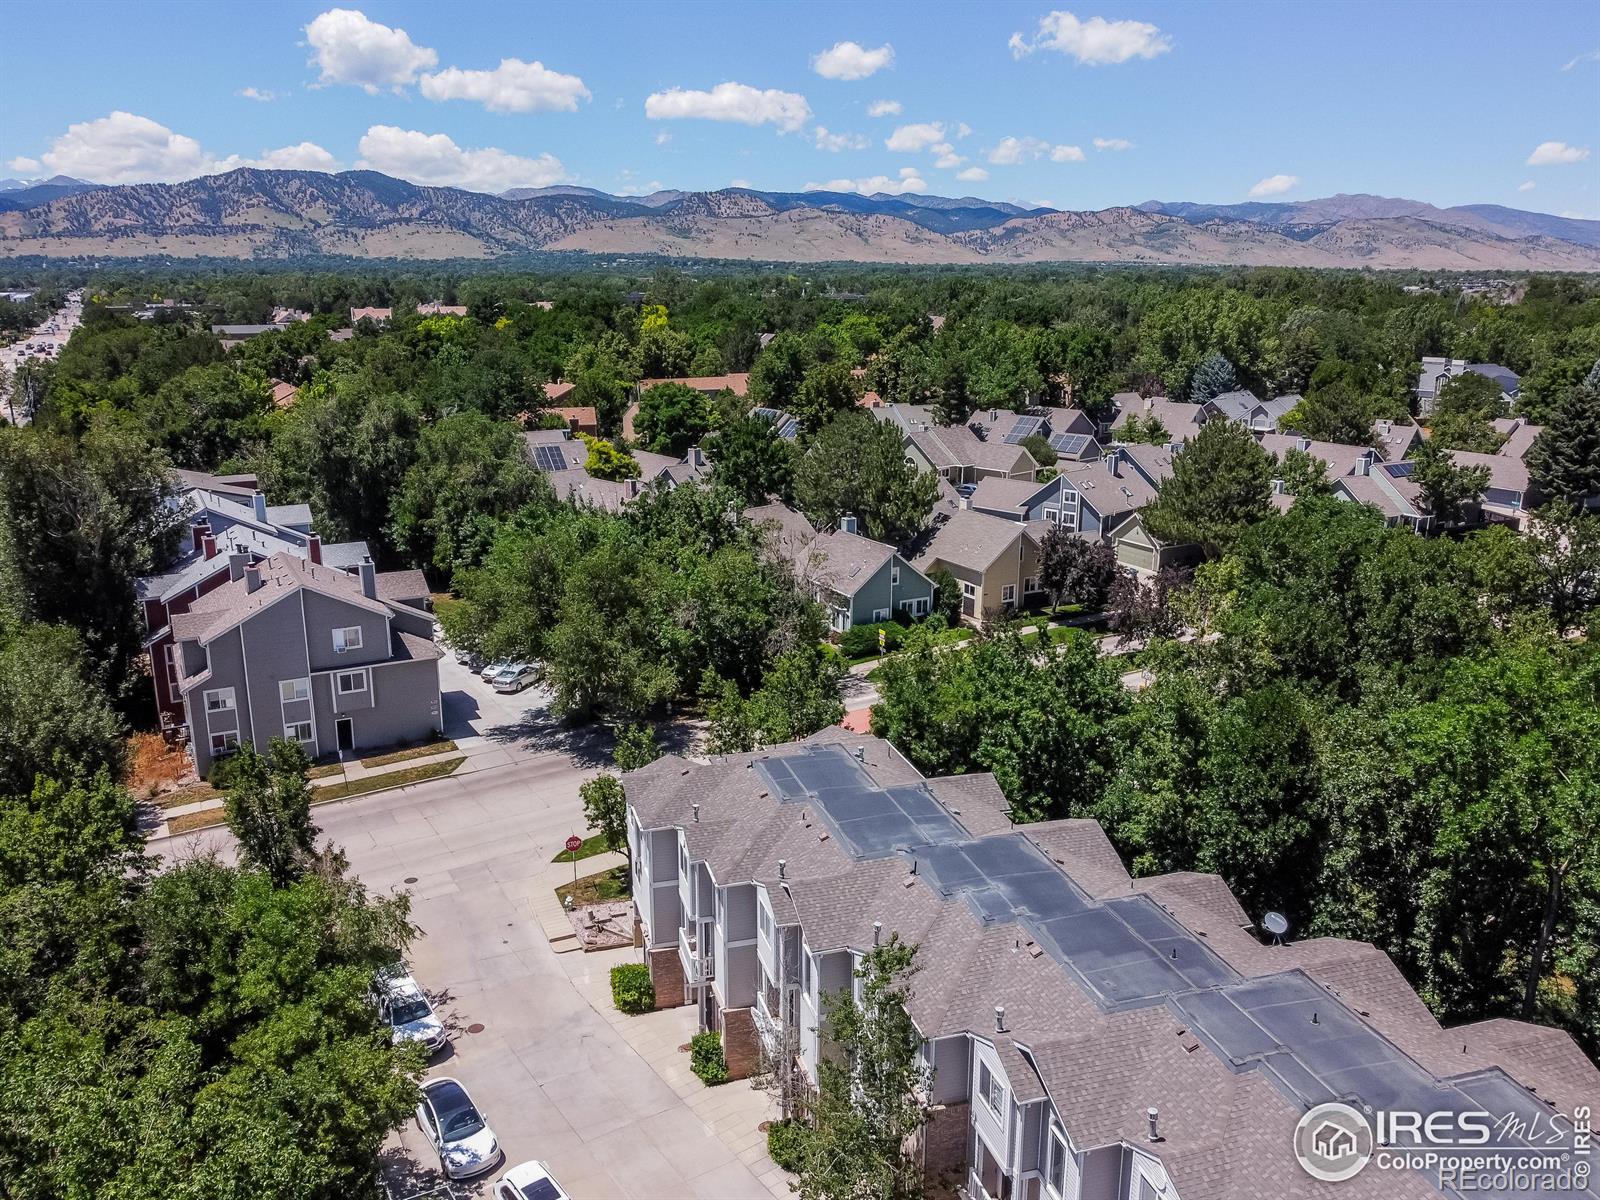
(405, 1009)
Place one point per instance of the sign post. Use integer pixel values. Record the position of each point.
(574, 844)
(883, 643)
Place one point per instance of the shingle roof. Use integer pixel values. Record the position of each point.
(738, 383)
(1009, 496)
(842, 562)
(1504, 472)
(1519, 435)
(402, 585)
(1340, 459)
(220, 610)
(968, 539)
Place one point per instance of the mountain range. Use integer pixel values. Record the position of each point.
(250, 213)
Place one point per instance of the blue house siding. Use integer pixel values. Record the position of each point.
(882, 594)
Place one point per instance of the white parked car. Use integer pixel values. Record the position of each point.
(404, 1007)
(490, 670)
(528, 1181)
(515, 677)
(457, 1130)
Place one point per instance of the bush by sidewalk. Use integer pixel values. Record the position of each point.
(706, 1058)
(631, 989)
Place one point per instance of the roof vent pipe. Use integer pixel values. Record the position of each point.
(861, 754)
(695, 808)
(999, 1018)
(783, 868)
(877, 933)
(1153, 1116)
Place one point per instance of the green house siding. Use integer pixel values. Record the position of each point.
(880, 597)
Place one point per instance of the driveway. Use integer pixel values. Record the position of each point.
(498, 730)
(606, 1101)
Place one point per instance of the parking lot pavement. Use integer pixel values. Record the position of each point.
(559, 1075)
(494, 729)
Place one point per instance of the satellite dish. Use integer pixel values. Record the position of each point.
(1276, 924)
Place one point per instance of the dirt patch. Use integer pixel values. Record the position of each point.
(155, 767)
(603, 926)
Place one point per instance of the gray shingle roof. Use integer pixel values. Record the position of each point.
(968, 539)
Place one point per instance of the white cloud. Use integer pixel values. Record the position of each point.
(907, 181)
(348, 48)
(1525, 186)
(962, 130)
(972, 175)
(1275, 185)
(663, 136)
(25, 165)
(835, 142)
(884, 108)
(948, 157)
(436, 159)
(261, 94)
(124, 148)
(307, 156)
(1096, 41)
(738, 102)
(513, 86)
(1585, 57)
(1010, 151)
(639, 189)
(739, 183)
(1112, 144)
(911, 139)
(1551, 154)
(848, 60)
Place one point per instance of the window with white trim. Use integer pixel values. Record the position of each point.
(1052, 515)
(1057, 1177)
(880, 614)
(172, 666)
(969, 590)
(1030, 584)
(294, 689)
(1008, 593)
(347, 638)
(224, 743)
(350, 682)
(994, 1095)
(298, 731)
(219, 700)
(894, 576)
(764, 921)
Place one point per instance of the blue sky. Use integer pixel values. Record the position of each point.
(1077, 108)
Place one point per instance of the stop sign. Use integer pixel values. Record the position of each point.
(574, 843)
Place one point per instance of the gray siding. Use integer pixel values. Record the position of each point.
(401, 704)
(274, 650)
(324, 615)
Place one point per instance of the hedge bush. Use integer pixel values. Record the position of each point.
(706, 1059)
(863, 639)
(631, 989)
(786, 1144)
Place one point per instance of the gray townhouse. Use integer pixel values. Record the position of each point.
(560, 456)
(1436, 372)
(1395, 440)
(222, 515)
(959, 454)
(1089, 1035)
(1179, 418)
(1388, 488)
(1258, 416)
(291, 649)
(856, 579)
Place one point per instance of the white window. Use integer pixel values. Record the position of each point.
(347, 638)
(805, 971)
(219, 700)
(1008, 593)
(764, 921)
(1069, 518)
(1030, 584)
(989, 1088)
(349, 682)
(172, 667)
(294, 689)
(298, 731)
(223, 743)
(1052, 515)
(969, 590)
(894, 576)
(1058, 1164)
(880, 614)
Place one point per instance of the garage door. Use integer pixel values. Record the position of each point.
(1139, 558)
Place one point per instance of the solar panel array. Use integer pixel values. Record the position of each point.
(1025, 427)
(1129, 953)
(549, 458)
(1069, 443)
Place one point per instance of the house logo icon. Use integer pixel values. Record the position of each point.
(1333, 1142)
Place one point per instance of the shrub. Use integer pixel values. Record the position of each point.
(631, 989)
(706, 1059)
(863, 639)
(786, 1144)
(224, 773)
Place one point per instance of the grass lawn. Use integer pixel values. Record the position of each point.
(591, 846)
(325, 770)
(383, 760)
(192, 794)
(597, 888)
(189, 822)
(1056, 634)
(374, 783)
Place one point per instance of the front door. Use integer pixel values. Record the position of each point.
(346, 729)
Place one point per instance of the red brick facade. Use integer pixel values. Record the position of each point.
(741, 1044)
(666, 975)
(944, 1148)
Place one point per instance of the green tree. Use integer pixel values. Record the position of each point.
(1304, 474)
(749, 458)
(798, 696)
(471, 472)
(605, 810)
(605, 461)
(1076, 570)
(858, 466)
(636, 747)
(1339, 411)
(671, 418)
(777, 373)
(827, 390)
(1462, 412)
(83, 520)
(1147, 430)
(54, 720)
(1564, 459)
(871, 1091)
(1447, 487)
(268, 807)
(1211, 378)
(1221, 483)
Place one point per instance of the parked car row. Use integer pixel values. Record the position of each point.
(453, 1124)
(509, 676)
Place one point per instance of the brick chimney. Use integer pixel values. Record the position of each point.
(198, 531)
(208, 544)
(314, 548)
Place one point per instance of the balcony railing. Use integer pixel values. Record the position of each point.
(698, 967)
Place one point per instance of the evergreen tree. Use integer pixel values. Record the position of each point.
(1564, 460)
(1221, 483)
(1211, 378)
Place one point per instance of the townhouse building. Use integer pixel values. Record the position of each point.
(1437, 371)
(298, 650)
(1088, 1035)
(225, 516)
